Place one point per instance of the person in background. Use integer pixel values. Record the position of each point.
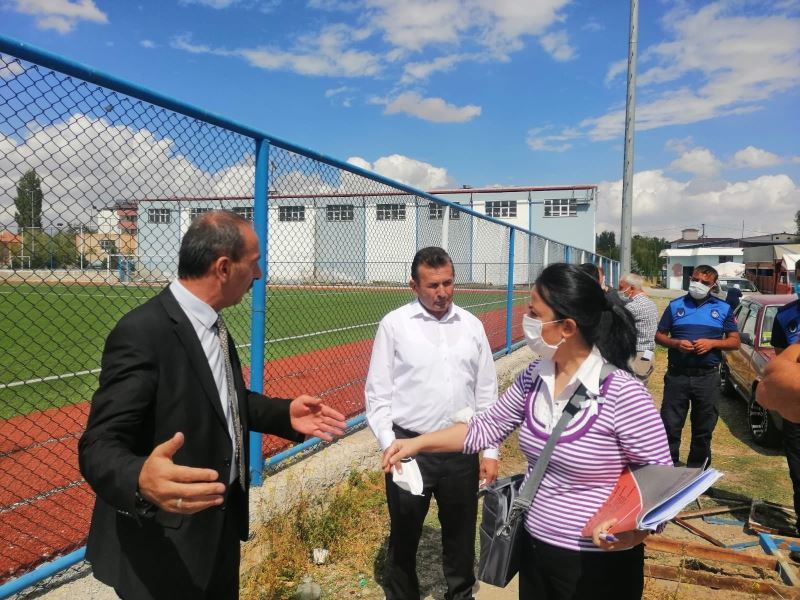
(733, 295)
(696, 328)
(785, 332)
(645, 315)
(431, 365)
(598, 274)
(574, 330)
(166, 447)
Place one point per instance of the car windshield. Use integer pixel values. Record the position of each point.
(744, 285)
(766, 326)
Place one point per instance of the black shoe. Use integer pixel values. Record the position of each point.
(795, 555)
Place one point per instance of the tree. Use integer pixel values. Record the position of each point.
(797, 221)
(29, 201)
(606, 245)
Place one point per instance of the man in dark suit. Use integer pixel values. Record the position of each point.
(165, 448)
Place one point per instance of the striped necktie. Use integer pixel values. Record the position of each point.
(233, 403)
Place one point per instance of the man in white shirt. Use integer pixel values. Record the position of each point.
(645, 313)
(431, 366)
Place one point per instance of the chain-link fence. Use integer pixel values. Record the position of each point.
(98, 183)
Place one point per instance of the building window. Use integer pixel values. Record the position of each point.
(501, 208)
(391, 212)
(196, 212)
(108, 246)
(560, 207)
(246, 212)
(291, 213)
(436, 212)
(160, 216)
(339, 212)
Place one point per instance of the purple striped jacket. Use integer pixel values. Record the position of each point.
(590, 455)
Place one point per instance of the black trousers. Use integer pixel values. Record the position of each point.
(791, 443)
(701, 393)
(551, 573)
(224, 581)
(452, 478)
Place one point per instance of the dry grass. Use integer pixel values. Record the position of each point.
(351, 525)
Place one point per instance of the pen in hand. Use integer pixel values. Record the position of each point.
(610, 538)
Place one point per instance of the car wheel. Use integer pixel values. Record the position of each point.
(762, 426)
(725, 383)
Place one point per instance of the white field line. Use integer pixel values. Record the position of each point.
(63, 376)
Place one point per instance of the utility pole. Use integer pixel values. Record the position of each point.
(630, 118)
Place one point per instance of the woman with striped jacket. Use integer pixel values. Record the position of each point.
(575, 329)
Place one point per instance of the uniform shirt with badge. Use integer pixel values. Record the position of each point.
(786, 326)
(687, 319)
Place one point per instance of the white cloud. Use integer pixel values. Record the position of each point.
(60, 15)
(415, 173)
(422, 70)
(755, 158)
(336, 91)
(81, 163)
(500, 26)
(435, 110)
(593, 25)
(217, 4)
(342, 95)
(326, 53)
(11, 69)
(538, 139)
(147, 44)
(261, 5)
(557, 45)
(662, 205)
(615, 69)
(716, 63)
(698, 161)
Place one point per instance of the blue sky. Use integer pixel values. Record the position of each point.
(483, 92)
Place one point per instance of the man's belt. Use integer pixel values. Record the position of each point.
(691, 371)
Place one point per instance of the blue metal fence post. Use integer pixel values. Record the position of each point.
(568, 254)
(510, 290)
(258, 318)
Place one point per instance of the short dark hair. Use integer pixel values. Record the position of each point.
(592, 270)
(706, 270)
(433, 257)
(211, 235)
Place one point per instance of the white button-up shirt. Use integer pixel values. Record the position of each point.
(547, 407)
(204, 320)
(425, 370)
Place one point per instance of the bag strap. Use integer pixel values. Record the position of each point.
(525, 497)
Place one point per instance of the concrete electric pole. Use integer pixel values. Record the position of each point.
(630, 118)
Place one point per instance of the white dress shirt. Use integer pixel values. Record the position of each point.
(425, 370)
(204, 320)
(547, 409)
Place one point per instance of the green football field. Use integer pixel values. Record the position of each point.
(52, 335)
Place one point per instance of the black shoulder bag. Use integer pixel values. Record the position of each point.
(506, 501)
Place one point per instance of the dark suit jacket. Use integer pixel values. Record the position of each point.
(155, 381)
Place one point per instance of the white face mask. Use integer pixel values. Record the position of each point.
(532, 329)
(698, 290)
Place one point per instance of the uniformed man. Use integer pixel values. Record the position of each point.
(786, 331)
(696, 328)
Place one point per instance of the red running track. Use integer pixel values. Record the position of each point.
(45, 506)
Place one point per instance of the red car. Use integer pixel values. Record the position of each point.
(742, 369)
